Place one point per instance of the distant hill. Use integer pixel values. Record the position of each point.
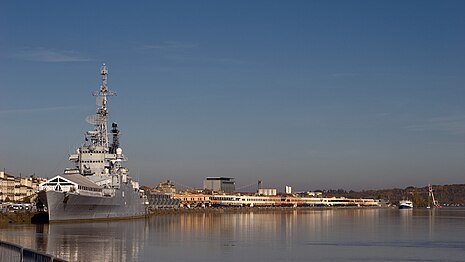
(447, 195)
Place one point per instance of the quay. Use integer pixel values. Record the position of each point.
(17, 217)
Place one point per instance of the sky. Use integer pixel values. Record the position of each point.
(312, 94)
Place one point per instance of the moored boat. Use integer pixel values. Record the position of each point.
(405, 204)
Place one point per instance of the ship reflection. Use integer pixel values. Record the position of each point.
(41, 237)
(102, 241)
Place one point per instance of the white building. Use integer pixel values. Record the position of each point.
(288, 190)
(267, 191)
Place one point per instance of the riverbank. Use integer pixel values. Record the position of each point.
(27, 217)
(23, 217)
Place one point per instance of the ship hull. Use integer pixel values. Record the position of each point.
(405, 207)
(68, 206)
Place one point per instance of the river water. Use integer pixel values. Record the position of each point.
(343, 234)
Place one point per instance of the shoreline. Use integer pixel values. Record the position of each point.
(248, 209)
(24, 217)
(28, 216)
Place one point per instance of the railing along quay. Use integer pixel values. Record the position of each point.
(15, 253)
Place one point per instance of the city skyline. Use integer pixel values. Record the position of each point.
(315, 95)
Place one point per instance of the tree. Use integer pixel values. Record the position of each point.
(418, 200)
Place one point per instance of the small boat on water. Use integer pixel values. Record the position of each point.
(405, 204)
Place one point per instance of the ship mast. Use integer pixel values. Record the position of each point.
(99, 136)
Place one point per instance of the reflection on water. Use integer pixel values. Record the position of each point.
(103, 241)
(97, 241)
(291, 235)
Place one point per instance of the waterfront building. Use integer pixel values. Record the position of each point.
(237, 200)
(219, 184)
(288, 190)
(189, 200)
(162, 196)
(18, 189)
(166, 187)
(309, 194)
(267, 191)
(7, 186)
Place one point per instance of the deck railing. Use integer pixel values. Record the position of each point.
(16, 253)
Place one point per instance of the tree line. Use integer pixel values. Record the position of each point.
(447, 195)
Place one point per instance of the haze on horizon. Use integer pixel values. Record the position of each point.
(312, 94)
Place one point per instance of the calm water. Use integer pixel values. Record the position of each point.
(294, 235)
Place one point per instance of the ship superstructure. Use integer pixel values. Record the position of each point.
(98, 186)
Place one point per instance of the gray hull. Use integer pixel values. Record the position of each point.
(66, 206)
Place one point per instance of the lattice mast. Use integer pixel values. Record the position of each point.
(100, 136)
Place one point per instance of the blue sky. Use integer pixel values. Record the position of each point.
(312, 94)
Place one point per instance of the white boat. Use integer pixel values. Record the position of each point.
(405, 204)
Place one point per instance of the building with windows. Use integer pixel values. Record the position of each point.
(219, 184)
(166, 187)
(18, 189)
(267, 192)
(7, 187)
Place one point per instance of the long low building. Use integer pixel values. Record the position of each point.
(230, 200)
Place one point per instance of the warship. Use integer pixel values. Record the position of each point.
(98, 186)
